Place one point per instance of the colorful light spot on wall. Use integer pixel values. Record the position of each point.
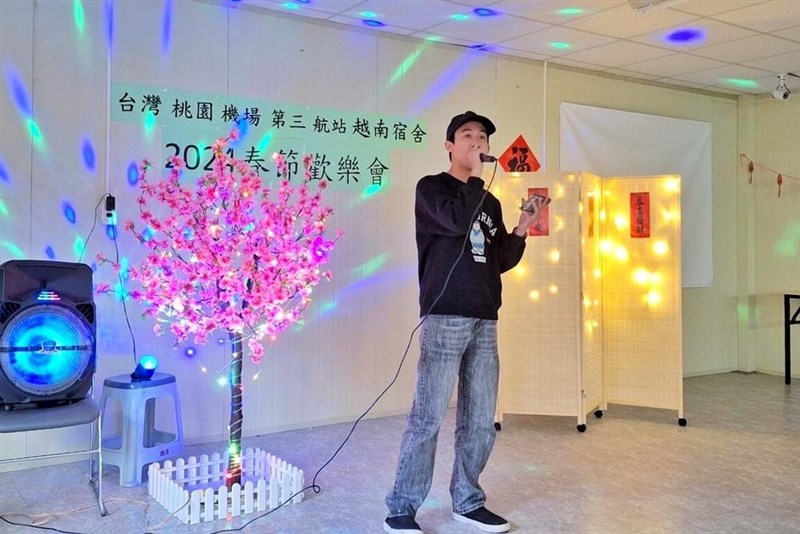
(87, 151)
(559, 45)
(69, 212)
(20, 94)
(78, 246)
(4, 175)
(35, 134)
(133, 173)
(109, 22)
(371, 190)
(406, 65)
(119, 292)
(446, 81)
(327, 307)
(166, 26)
(12, 249)
(570, 11)
(149, 124)
(123, 267)
(18, 91)
(265, 141)
(244, 126)
(373, 23)
(78, 16)
(49, 252)
(788, 243)
(485, 12)
(371, 266)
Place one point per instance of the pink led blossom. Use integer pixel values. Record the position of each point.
(227, 253)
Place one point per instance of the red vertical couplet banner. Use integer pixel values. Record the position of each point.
(590, 215)
(640, 214)
(542, 224)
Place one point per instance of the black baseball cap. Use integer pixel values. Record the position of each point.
(468, 116)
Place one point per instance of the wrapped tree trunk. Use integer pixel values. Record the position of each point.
(234, 473)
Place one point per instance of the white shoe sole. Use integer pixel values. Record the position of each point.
(481, 526)
(391, 530)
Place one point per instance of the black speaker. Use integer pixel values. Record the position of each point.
(47, 333)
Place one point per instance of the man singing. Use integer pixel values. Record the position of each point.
(456, 217)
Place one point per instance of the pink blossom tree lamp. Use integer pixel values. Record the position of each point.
(228, 255)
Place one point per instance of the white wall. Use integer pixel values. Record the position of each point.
(333, 367)
(776, 236)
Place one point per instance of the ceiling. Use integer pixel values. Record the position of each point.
(744, 43)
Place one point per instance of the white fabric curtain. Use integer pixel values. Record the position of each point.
(613, 143)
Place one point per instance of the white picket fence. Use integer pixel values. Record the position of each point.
(276, 481)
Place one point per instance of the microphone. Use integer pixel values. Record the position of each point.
(488, 158)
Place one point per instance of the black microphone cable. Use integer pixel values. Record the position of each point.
(313, 486)
(94, 224)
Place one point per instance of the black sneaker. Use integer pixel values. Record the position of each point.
(484, 520)
(404, 524)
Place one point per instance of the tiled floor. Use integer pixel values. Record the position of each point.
(734, 469)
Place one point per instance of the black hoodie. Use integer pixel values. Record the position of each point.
(443, 210)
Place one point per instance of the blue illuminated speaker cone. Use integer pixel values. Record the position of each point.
(47, 333)
(45, 349)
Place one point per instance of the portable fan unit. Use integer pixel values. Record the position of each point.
(47, 333)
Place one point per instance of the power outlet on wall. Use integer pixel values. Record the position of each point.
(111, 210)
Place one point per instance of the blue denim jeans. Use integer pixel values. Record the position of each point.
(452, 347)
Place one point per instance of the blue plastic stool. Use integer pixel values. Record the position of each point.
(140, 443)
